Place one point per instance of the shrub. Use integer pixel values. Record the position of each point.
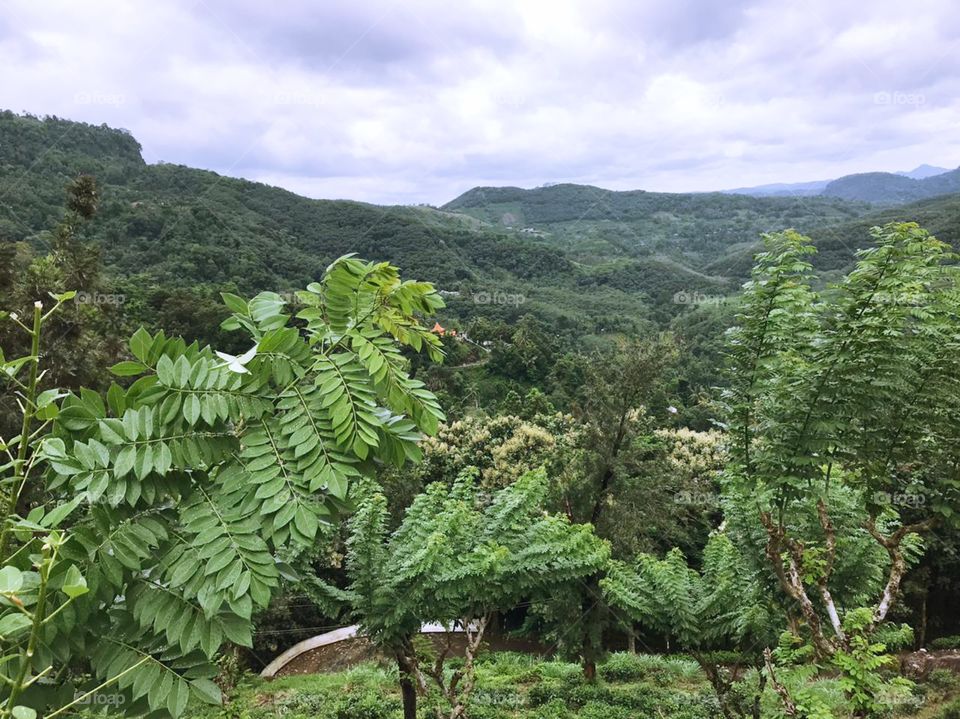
(601, 710)
(587, 692)
(554, 709)
(548, 691)
(623, 667)
(943, 680)
(950, 642)
(950, 711)
(565, 671)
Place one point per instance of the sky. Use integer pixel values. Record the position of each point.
(420, 100)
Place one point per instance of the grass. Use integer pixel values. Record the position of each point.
(519, 686)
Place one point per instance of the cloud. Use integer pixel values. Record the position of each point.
(419, 101)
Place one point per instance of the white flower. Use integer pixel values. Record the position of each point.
(236, 364)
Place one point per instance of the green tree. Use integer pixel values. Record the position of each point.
(614, 461)
(459, 555)
(853, 389)
(81, 337)
(175, 497)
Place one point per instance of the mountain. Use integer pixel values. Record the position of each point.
(539, 273)
(587, 259)
(890, 188)
(837, 243)
(922, 172)
(596, 227)
(172, 237)
(857, 187)
(783, 189)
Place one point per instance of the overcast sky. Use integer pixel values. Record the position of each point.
(420, 100)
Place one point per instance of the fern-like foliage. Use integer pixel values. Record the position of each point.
(459, 554)
(721, 605)
(197, 476)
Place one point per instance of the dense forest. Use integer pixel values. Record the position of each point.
(717, 427)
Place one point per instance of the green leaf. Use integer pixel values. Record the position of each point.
(20, 711)
(234, 303)
(74, 585)
(128, 368)
(13, 624)
(140, 344)
(207, 691)
(11, 579)
(191, 408)
(56, 515)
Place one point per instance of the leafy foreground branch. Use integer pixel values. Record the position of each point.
(142, 531)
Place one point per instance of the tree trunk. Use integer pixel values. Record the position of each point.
(922, 634)
(409, 694)
(632, 642)
(589, 670)
(408, 690)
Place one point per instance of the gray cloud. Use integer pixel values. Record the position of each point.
(418, 101)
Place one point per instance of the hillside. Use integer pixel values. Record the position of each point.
(836, 243)
(817, 187)
(891, 188)
(694, 229)
(165, 228)
(174, 226)
(589, 260)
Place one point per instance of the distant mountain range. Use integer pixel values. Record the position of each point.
(886, 188)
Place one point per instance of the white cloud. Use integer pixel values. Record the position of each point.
(418, 102)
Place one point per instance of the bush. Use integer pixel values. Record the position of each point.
(546, 692)
(506, 669)
(950, 711)
(950, 642)
(623, 667)
(554, 709)
(361, 693)
(589, 692)
(564, 671)
(942, 680)
(601, 710)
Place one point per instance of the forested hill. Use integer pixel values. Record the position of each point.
(695, 229)
(540, 273)
(180, 225)
(889, 188)
(167, 226)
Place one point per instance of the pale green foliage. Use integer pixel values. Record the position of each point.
(460, 554)
(840, 402)
(195, 478)
(861, 378)
(720, 605)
